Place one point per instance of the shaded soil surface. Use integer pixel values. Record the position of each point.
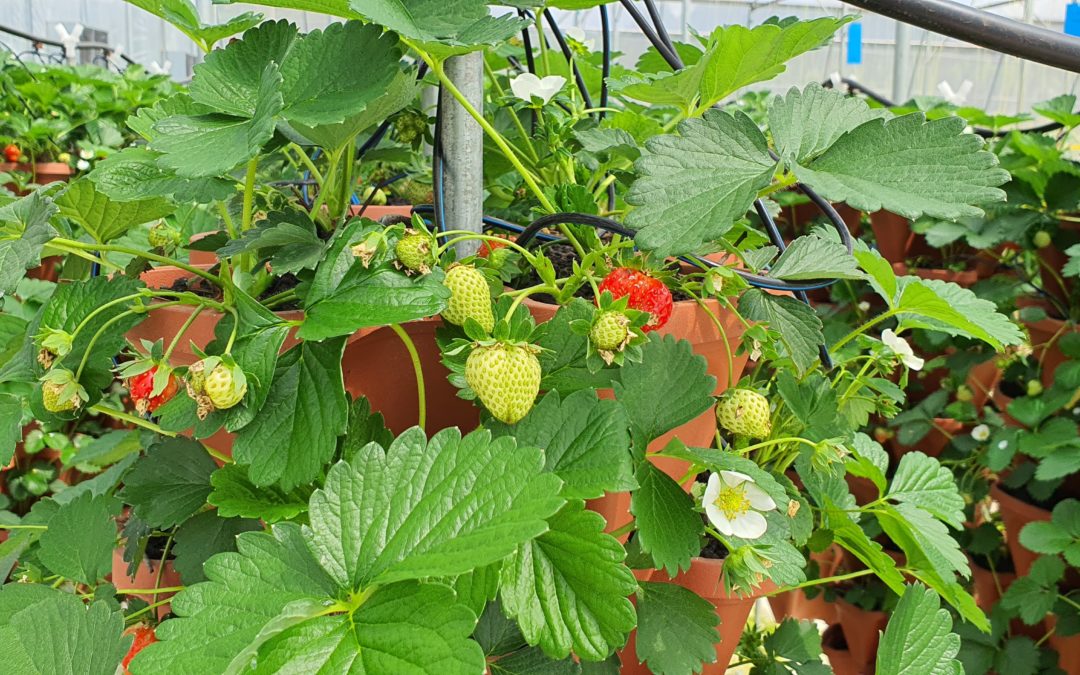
(562, 257)
(205, 289)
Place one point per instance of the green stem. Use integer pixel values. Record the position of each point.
(465, 235)
(524, 293)
(625, 529)
(778, 441)
(4, 526)
(180, 333)
(71, 243)
(149, 591)
(280, 298)
(824, 580)
(310, 165)
(230, 226)
(863, 328)
(249, 194)
(161, 566)
(324, 189)
(98, 334)
(146, 609)
(217, 454)
(418, 369)
(130, 419)
(723, 336)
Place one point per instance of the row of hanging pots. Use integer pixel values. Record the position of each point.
(898, 243)
(41, 173)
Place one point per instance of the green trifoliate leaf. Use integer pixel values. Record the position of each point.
(806, 123)
(922, 481)
(925, 540)
(797, 326)
(945, 306)
(24, 231)
(1060, 109)
(694, 186)
(203, 536)
(57, 634)
(668, 527)
(104, 218)
(452, 504)
(79, 540)
(812, 257)
(134, 174)
(568, 588)
(919, 637)
(563, 361)
(294, 434)
(668, 387)
(288, 238)
(1061, 535)
(909, 166)
(170, 483)
(586, 442)
(676, 630)
(277, 606)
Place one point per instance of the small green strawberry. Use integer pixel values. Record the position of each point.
(162, 235)
(470, 297)
(1041, 239)
(744, 413)
(1034, 388)
(964, 393)
(414, 252)
(225, 385)
(60, 392)
(610, 330)
(413, 191)
(505, 377)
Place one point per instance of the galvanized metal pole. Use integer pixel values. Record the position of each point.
(1029, 15)
(463, 149)
(901, 63)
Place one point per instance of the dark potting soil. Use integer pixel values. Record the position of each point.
(713, 549)
(155, 547)
(562, 257)
(204, 289)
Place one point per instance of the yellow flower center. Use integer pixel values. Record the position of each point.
(732, 501)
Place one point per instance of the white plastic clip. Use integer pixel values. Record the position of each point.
(70, 41)
(955, 97)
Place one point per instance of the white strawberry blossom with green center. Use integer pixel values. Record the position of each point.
(981, 433)
(902, 349)
(528, 87)
(734, 504)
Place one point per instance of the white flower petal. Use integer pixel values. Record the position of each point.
(750, 525)
(758, 498)
(733, 478)
(712, 489)
(981, 432)
(528, 86)
(913, 362)
(719, 520)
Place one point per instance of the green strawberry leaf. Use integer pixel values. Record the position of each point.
(668, 387)
(185, 17)
(813, 257)
(235, 495)
(563, 359)
(79, 541)
(24, 231)
(909, 166)
(56, 633)
(676, 629)
(294, 434)
(170, 483)
(919, 637)
(944, 306)
(409, 489)
(11, 432)
(682, 202)
(797, 327)
(586, 442)
(289, 238)
(104, 218)
(668, 527)
(806, 123)
(203, 536)
(922, 481)
(133, 174)
(568, 588)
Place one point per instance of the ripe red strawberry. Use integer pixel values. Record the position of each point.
(647, 294)
(141, 387)
(12, 153)
(144, 635)
(489, 246)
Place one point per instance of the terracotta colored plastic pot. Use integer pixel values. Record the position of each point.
(1067, 647)
(1016, 513)
(48, 270)
(965, 278)
(988, 590)
(377, 212)
(628, 654)
(862, 631)
(146, 577)
(797, 605)
(704, 578)
(1053, 261)
(41, 173)
(933, 443)
(893, 235)
(834, 647)
(983, 380)
(1045, 342)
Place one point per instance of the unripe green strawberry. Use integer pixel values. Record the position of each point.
(470, 297)
(225, 386)
(964, 393)
(745, 413)
(413, 251)
(413, 191)
(163, 236)
(506, 379)
(610, 331)
(56, 400)
(1041, 239)
(1034, 388)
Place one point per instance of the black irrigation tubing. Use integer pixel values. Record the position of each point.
(854, 86)
(668, 53)
(380, 185)
(605, 72)
(437, 178)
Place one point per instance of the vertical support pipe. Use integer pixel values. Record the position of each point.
(462, 148)
(901, 63)
(1029, 16)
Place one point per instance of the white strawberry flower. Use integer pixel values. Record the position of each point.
(902, 349)
(981, 433)
(528, 87)
(864, 306)
(734, 505)
(82, 165)
(577, 34)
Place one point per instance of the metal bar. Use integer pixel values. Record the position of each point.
(901, 62)
(462, 145)
(983, 29)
